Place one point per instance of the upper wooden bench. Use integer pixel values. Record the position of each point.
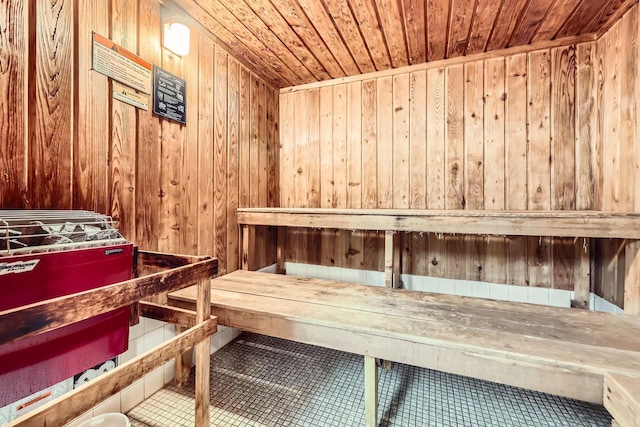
(586, 224)
(562, 351)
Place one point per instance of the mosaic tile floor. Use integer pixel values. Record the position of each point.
(263, 381)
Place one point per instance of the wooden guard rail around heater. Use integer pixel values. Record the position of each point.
(576, 224)
(183, 272)
(563, 351)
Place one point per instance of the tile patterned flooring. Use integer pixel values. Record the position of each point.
(268, 382)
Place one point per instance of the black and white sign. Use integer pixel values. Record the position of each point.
(169, 95)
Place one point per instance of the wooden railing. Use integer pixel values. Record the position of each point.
(184, 271)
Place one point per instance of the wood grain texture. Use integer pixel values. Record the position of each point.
(318, 311)
(233, 150)
(205, 162)
(14, 108)
(79, 401)
(50, 124)
(56, 312)
(300, 42)
(220, 156)
(124, 18)
(189, 176)
(148, 190)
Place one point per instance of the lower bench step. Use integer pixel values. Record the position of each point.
(622, 399)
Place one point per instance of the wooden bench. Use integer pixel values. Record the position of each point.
(561, 351)
(393, 222)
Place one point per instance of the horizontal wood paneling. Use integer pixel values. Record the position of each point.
(169, 186)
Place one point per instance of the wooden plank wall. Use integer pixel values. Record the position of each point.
(66, 144)
(617, 177)
(516, 132)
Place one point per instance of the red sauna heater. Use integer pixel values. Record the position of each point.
(47, 254)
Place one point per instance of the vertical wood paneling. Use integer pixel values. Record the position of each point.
(245, 139)
(435, 161)
(401, 147)
(495, 267)
(499, 133)
(233, 149)
(355, 247)
(288, 175)
(515, 174)
(327, 243)
(300, 161)
(417, 167)
(172, 140)
(124, 18)
(474, 164)
(339, 200)
(220, 165)
(148, 190)
(354, 145)
(189, 156)
(586, 125)
(455, 264)
(370, 167)
(50, 123)
(88, 151)
(91, 188)
(206, 119)
(313, 166)
(538, 157)
(254, 151)
(385, 142)
(13, 108)
(313, 148)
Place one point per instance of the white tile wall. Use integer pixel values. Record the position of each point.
(532, 295)
(132, 396)
(112, 404)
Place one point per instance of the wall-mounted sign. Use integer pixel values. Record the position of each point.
(130, 96)
(120, 64)
(169, 95)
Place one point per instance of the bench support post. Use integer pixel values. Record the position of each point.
(632, 278)
(370, 391)
(203, 357)
(281, 250)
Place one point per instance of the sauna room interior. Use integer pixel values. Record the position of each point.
(327, 213)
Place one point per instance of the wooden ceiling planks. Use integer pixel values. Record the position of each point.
(348, 28)
(293, 42)
(366, 17)
(437, 29)
(483, 21)
(530, 19)
(414, 27)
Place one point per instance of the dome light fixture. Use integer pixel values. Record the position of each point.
(176, 38)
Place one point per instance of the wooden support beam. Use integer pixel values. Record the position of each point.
(388, 259)
(370, 391)
(582, 275)
(281, 250)
(599, 224)
(246, 241)
(397, 260)
(182, 365)
(203, 357)
(56, 312)
(622, 398)
(166, 260)
(163, 313)
(632, 278)
(80, 400)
